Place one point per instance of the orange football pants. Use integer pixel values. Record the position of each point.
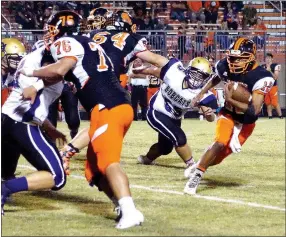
(224, 130)
(107, 130)
(271, 98)
(123, 80)
(4, 95)
(151, 92)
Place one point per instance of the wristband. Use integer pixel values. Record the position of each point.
(73, 147)
(39, 85)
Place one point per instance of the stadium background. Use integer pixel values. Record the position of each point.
(167, 35)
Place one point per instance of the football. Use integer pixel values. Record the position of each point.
(240, 92)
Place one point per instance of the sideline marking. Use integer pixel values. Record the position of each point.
(212, 198)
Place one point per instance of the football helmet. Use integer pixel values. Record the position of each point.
(62, 23)
(121, 21)
(241, 56)
(12, 51)
(97, 18)
(198, 72)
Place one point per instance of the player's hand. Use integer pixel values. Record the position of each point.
(196, 100)
(67, 152)
(30, 93)
(58, 137)
(208, 111)
(228, 91)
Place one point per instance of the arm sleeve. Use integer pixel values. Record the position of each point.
(209, 100)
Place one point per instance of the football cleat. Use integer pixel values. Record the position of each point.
(144, 160)
(193, 183)
(131, 219)
(5, 193)
(190, 170)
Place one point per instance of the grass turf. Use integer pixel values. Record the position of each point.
(255, 175)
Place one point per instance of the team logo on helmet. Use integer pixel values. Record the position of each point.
(126, 18)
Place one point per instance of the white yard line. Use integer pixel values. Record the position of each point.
(212, 198)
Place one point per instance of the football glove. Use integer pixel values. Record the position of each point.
(66, 153)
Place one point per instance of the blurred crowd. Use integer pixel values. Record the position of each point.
(33, 15)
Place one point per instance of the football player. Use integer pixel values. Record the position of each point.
(12, 51)
(122, 45)
(21, 133)
(271, 98)
(69, 103)
(236, 120)
(84, 62)
(168, 106)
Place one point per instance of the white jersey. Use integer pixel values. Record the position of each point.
(21, 110)
(173, 99)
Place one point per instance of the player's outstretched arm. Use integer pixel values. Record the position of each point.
(54, 133)
(54, 71)
(154, 71)
(80, 141)
(213, 81)
(153, 58)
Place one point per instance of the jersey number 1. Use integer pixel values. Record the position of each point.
(102, 66)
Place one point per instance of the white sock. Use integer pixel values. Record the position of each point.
(126, 204)
(201, 117)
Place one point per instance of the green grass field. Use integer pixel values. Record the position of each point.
(243, 196)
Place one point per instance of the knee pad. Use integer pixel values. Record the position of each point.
(181, 140)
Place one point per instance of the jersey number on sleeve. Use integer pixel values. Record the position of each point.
(119, 40)
(64, 45)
